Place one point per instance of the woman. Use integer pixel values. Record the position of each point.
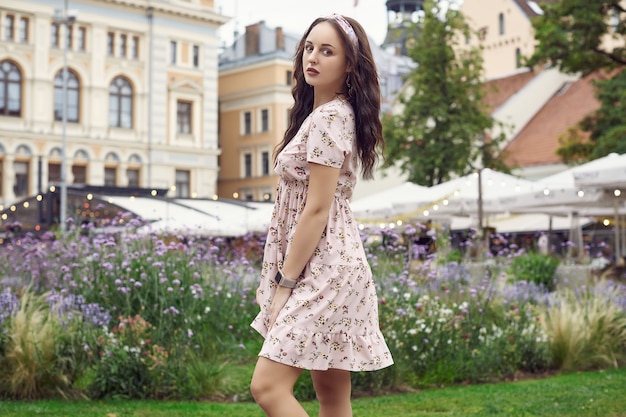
(319, 309)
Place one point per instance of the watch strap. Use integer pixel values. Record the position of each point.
(284, 282)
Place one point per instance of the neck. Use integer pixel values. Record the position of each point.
(320, 99)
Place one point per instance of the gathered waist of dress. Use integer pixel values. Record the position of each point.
(341, 193)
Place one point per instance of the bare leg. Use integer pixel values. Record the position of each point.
(272, 389)
(333, 391)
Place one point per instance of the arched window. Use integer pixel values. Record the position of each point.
(73, 96)
(121, 103)
(10, 89)
(133, 171)
(501, 22)
(111, 162)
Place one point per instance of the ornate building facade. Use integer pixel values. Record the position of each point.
(141, 95)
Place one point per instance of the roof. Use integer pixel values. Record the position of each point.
(267, 47)
(532, 8)
(499, 90)
(537, 142)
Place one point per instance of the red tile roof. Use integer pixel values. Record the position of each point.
(499, 90)
(537, 142)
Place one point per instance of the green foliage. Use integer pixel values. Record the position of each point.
(536, 268)
(182, 321)
(440, 131)
(441, 342)
(578, 36)
(570, 35)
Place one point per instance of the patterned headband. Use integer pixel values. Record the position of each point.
(346, 26)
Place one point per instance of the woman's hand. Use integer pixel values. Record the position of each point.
(278, 302)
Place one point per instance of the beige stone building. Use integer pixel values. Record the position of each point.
(141, 95)
(255, 77)
(504, 31)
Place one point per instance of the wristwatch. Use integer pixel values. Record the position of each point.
(284, 282)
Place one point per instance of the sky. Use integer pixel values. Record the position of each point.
(295, 16)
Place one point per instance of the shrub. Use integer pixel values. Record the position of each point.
(536, 268)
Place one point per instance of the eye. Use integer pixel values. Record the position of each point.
(308, 48)
(327, 52)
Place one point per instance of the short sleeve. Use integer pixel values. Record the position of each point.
(330, 137)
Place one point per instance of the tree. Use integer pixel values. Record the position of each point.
(441, 130)
(583, 36)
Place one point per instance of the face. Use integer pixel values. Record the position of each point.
(324, 59)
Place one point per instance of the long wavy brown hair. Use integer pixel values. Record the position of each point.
(365, 97)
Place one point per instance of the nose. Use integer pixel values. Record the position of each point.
(312, 56)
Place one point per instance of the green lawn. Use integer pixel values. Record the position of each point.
(568, 395)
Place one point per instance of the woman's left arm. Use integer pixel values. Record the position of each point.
(322, 185)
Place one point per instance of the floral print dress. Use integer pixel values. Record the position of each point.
(331, 317)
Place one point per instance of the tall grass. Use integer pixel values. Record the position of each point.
(30, 362)
(587, 328)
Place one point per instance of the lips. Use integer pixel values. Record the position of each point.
(312, 71)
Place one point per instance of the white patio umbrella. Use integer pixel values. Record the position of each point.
(576, 192)
(460, 196)
(607, 172)
(169, 216)
(609, 175)
(379, 207)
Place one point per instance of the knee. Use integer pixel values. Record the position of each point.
(262, 390)
(327, 392)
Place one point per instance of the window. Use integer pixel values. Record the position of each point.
(132, 174)
(54, 172)
(73, 97)
(289, 78)
(482, 33)
(20, 188)
(10, 89)
(79, 172)
(134, 47)
(247, 123)
(501, 23)
(82, 38)
(183, 117)
(247, 163)
(110, 43)
(120, 103)
(172, 52)
(265, 120)
(196, 56)
(518, 58)
(182, 183)
(110, 176)
(54, 35)
(9, 26)
(68, 37)
(265, 163)
(123, 46)
(24, 29)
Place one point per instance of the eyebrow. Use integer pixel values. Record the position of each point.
(324, 44)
